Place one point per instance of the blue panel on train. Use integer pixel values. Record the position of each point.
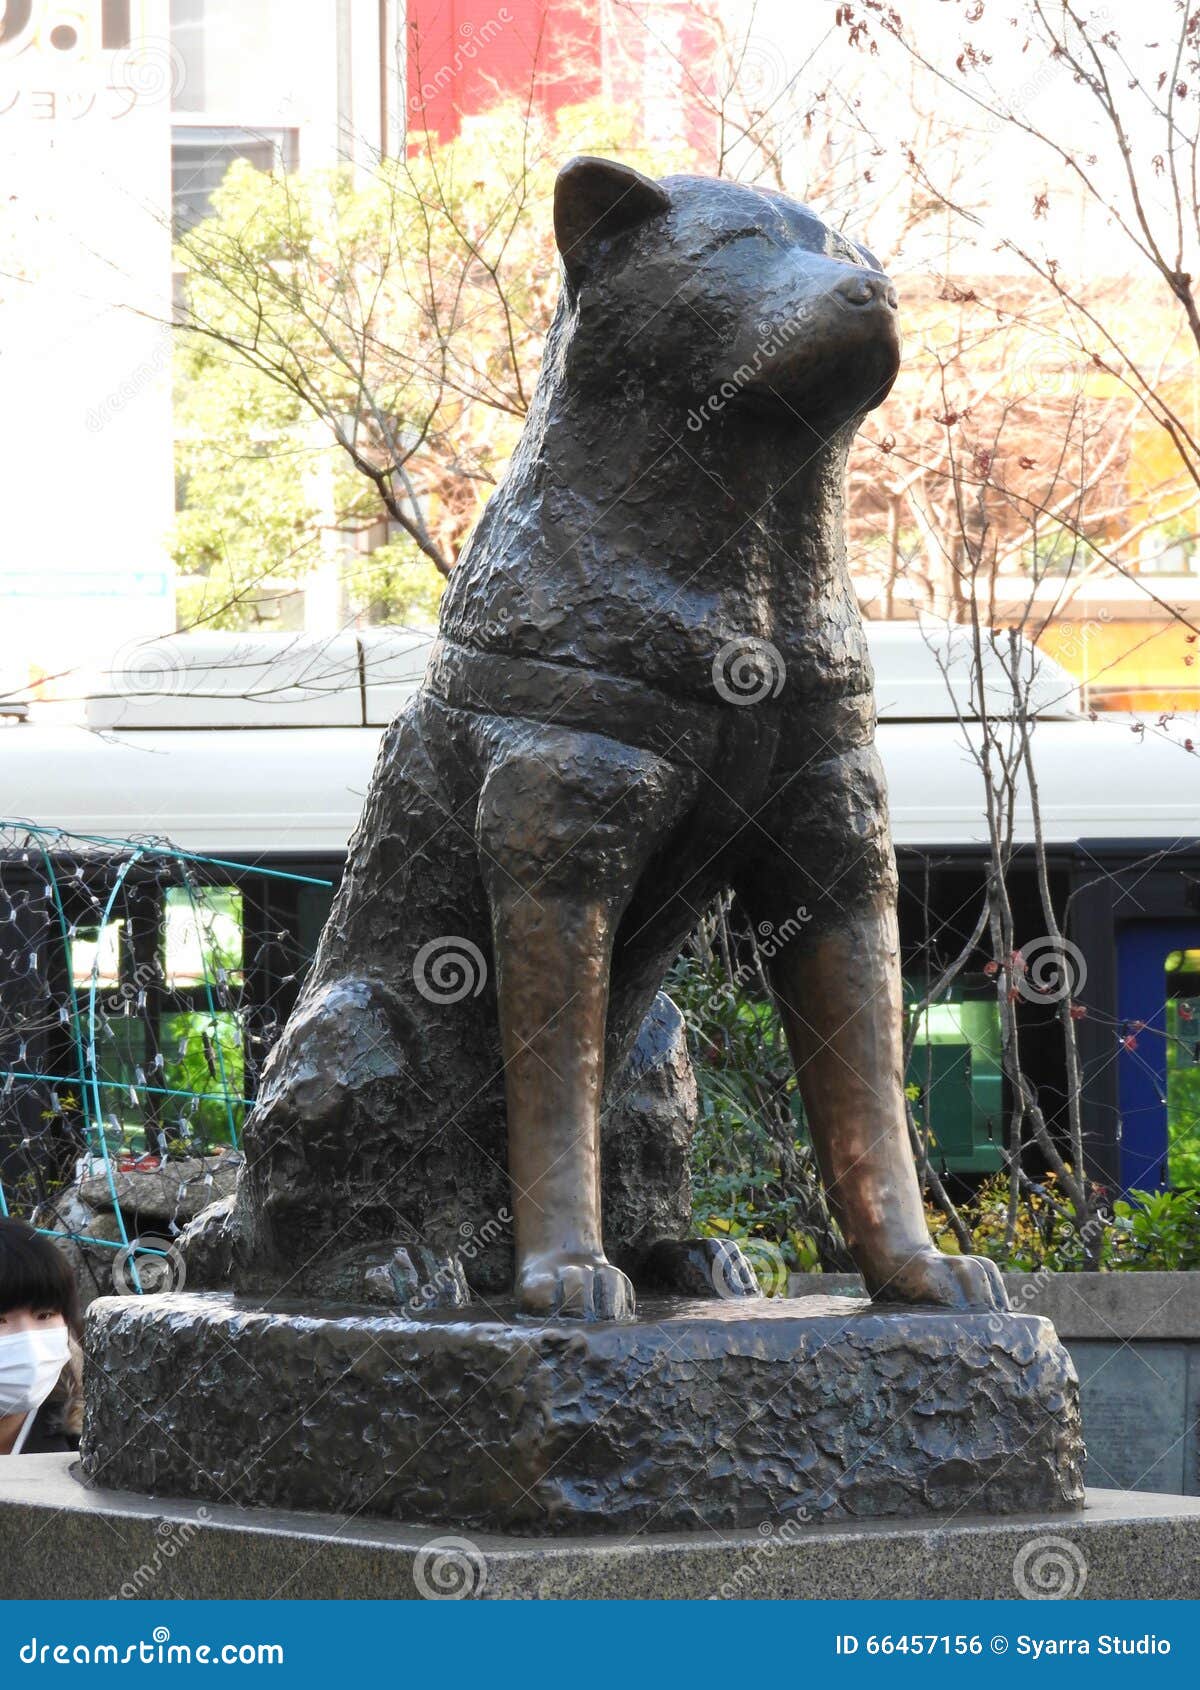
(1156, 993)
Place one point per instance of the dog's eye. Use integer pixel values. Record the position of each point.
(847, 253)
(730, 237)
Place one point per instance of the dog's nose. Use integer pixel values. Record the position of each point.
(868, 290)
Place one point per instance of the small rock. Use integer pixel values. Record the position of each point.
(174, 1192)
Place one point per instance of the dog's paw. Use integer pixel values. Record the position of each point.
(574, 1288)
(701, 1267)
(956, 1282)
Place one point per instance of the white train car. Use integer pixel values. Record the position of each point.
(255, 751)
(262, 745)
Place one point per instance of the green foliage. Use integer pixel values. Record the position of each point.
(1042, 1232)
(396, 584)
(1183, 1115)
(363, 349)
(1159, 1230)
(753, 1170)
(1155, 1230)
(203, 1056)
(247, 461)
(1183, 1095)
(754, 1174)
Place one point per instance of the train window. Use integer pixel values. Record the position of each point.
(141, 996)
(168, 1035)
(200, 1033)
(971, 1021)
(202, 937)
(205, 1061)
(1183, 1067)
(96, 949)
(955, 1080)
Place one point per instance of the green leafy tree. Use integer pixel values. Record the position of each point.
(359, 354)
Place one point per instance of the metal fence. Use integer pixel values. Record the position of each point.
(141, 988)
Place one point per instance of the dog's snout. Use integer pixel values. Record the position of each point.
(868, 290)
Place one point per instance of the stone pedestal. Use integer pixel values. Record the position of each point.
(698, 1415)
(59, 1539)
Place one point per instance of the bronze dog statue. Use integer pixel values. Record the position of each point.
(650, 683)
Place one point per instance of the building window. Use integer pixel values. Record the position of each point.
(187, 38)
(201, 156)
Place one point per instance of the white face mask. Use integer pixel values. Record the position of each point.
(30, 1363)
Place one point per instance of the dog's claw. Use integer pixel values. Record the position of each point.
(700, 1267)
(957, 1282)
(575, 1288)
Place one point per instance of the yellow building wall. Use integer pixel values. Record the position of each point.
(1128, 665)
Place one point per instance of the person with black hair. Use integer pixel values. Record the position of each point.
(40, 1405)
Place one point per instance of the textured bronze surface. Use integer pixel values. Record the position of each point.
(652, 683)
(719, 1414)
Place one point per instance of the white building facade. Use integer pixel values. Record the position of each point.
(117, 120)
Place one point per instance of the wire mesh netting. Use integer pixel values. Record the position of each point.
(141, 988)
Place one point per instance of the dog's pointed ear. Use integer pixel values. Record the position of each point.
(595, 199)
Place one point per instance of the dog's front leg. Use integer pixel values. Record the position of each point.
(841, 1004)
(565, 825)
(552, 958)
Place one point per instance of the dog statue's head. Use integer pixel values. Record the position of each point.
(721, 295)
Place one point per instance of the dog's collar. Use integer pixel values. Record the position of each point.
(564, 695)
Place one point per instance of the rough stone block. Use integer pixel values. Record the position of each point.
(718, 1414)
(174, 1192)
